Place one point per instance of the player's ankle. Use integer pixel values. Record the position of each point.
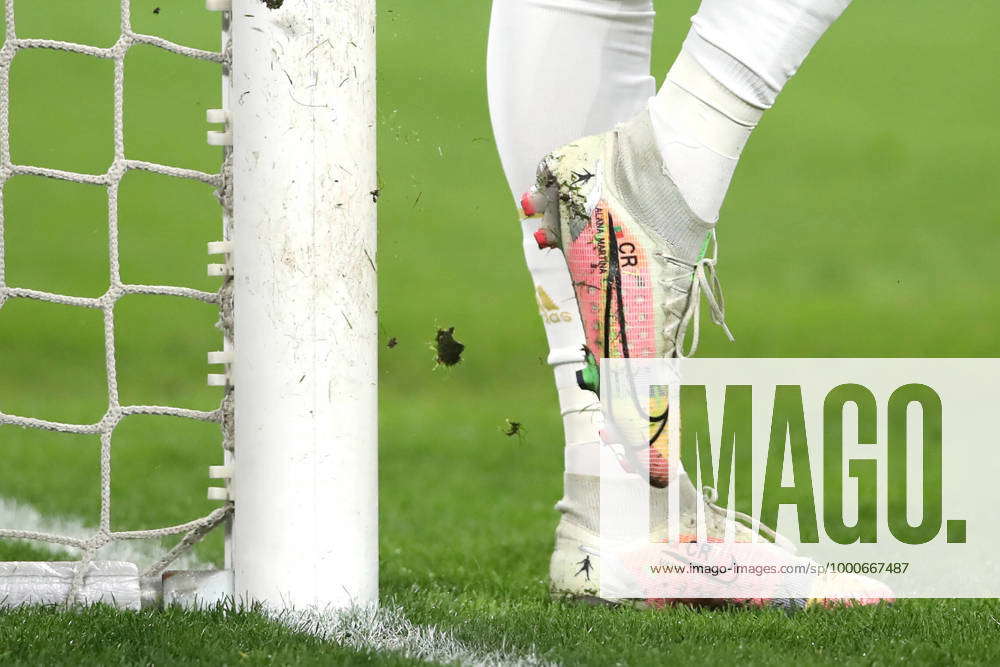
(710, 113)
(701, 128)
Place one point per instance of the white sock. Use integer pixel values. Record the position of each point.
(701, 128)
(735, 61)
(558, 70)
(753, 47)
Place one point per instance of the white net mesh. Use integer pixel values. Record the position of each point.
(194, 530)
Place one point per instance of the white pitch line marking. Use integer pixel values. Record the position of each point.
(388, 629)
(383, 629)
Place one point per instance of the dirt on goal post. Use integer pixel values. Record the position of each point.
(297, 299)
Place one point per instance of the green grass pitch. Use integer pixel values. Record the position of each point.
(862, 222)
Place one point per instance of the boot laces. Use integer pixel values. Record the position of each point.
(704, 281)
(711, 497)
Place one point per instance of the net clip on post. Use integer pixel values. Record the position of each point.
(224, 248)
(223, 472)
(223, 357)
(215, 137)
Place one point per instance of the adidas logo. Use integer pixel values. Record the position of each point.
(548, 309)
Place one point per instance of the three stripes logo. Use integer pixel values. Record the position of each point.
(548, 309)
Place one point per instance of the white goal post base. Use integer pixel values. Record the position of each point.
(114, 583)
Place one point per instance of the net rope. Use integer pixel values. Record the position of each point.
(192, 531)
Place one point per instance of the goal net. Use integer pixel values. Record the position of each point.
(297, 407)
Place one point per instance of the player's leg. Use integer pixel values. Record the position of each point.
(561, 69)
(634, 209)
(558, 70)
(659, 180)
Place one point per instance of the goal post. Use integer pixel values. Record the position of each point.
(298, 312)
(302, 108)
